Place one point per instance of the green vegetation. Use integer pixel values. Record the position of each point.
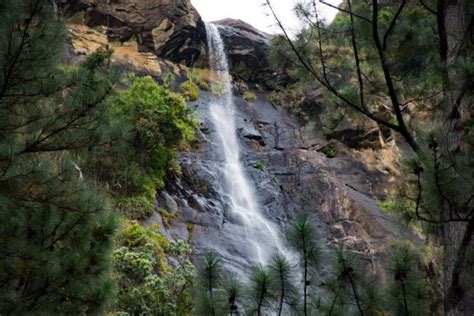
(302, 238)
(196, 77)
(169, 79)
(57, 227)
(216, 89)
(330, 150)
(328, 49)
(282, 273)
(158, 123)
(148, 284)
(73, 147)
(210, 280)
(82, 149)
(259, 165)
(166, 216)
(249, 96)
(190, 90)
(261, 297)
(406, 290)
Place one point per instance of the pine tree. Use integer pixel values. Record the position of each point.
(282, 274)
(233, 293)
(56, 229)
(351, 290)
(303, 239)
(407, 292)
(210, 279)
(260, 292)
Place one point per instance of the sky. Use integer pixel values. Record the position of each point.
(254, 13)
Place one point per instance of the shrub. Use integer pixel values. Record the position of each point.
(330, 150)
(148, 283)
(136, 207)
(404, 210)
(136, 236)
(259, 165)
(249, 96)
(166, 216)
(158, 123)
(190, 90)
(196, 77)
(168, 79)
(216, 89)
(203, 85)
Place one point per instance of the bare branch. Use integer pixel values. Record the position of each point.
(428, 8)
(403, 129)
(421, 98)
(345, 11)
(357, 59)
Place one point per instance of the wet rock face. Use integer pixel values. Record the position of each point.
(169, 29)
(247, 50)
(339, 193)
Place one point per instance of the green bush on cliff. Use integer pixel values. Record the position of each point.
(330, 150)
(249, 96)
(196, 77)
(158, 122)
(259, 165)
(148, 283)
(168, 79)
(137, 207)
(203, 85)
(190, 90)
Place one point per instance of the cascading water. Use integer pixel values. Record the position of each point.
(259, 231)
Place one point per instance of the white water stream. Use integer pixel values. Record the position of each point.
(259, 231)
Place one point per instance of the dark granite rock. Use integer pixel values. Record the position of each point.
(247, 50)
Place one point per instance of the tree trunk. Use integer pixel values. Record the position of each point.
(456, 29)
(458, 269)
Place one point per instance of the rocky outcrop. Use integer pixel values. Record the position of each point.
(169, 29)
(247, 50)
(84, 40)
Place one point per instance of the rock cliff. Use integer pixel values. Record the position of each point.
(292, 176)
(340, 193)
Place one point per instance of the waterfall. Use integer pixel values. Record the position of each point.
(257, 230)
